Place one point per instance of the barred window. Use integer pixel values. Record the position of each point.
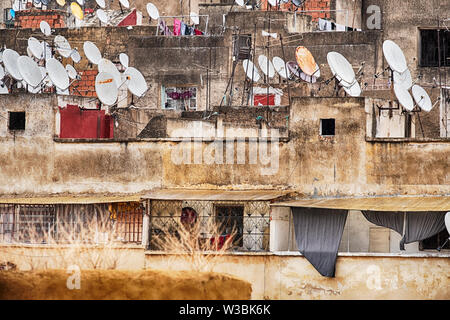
(179, 98)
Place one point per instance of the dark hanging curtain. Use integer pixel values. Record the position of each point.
(318, 233)
(388, 219)
(422, 225)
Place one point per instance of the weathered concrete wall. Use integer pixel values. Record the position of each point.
(283, 275)
(345, 164)
(357, 277)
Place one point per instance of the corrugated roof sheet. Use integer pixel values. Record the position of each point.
(416, 203)
(215, 195)
(71, 199)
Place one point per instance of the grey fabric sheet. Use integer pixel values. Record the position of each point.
(318, 233)
(422, 225)
(388, 219)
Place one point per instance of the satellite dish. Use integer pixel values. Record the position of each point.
(107, 66)
(306, 78)
(80, 2)
(297, 3)
(341, 68)
(240, 3)
(251, 70)
(273, 3)
(10, 62)
(63, 46)
(195, 18)
(305, 61)
(2, 72)
(71, 72)
(1, 56)
(422, 98)
(45, 2)
(266, 66)
(267, 34)
(354, 90)
(403, 79)
(77, 11)
(124, 60)
(36, 48)
(125, 3)
(280, 67)
(152, 11)
(75, 56)
(106, 89)
(61, 2)
(45, 28)
(294, 69)
(91, 52)
(29, 70)
(394, 56)
(57, 74)
(101, 3)
(136, 82)
(102, 16)
(403, 97)
(16, 6)
(447, 221)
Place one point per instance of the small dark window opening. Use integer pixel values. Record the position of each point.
(435, 241)
(327, 127)
(16, 121)
(229, 219)
(429, 49)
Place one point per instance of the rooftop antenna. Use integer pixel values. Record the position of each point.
(124, 3)
(30, 71)
(124, 60)
(152, 11)
(91, 52)
(101, 3)
(62, 46)
(102, 16)
(45, 28)
(77, 11)
(106, 88)
(344, 74)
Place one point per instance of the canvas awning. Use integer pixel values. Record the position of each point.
(215, 195)
(72, 199)
(402, 204)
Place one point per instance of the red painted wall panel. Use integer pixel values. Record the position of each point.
(262, 98)
(130, 20)
(77, 123)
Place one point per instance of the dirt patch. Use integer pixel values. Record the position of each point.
(122, 285)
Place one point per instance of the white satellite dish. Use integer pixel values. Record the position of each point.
(152, 11)
(1, 56)
(57, 74)
(71, 72)
(10, 58)
(63, 46)
(251, 70)
(273, 3)
(195, 18)
(102, 16)
(240, 3)
(403, 79)
(394, 56)
(136, 82)
(91, 52)
(266, 66)
(106, 88)
(2, 72)
(101, 3)
(36, 48)
(80, 2)
(341, 68)
(308, 78)
(45, 28)
(29, 70)
(124, 60)
(280, 67)
(125, 3)
(16, 5)
(107, 66)
(294, 69)
(354, 90)
(447, 221)
(75, 56)
(422, 98)
(403, 97)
